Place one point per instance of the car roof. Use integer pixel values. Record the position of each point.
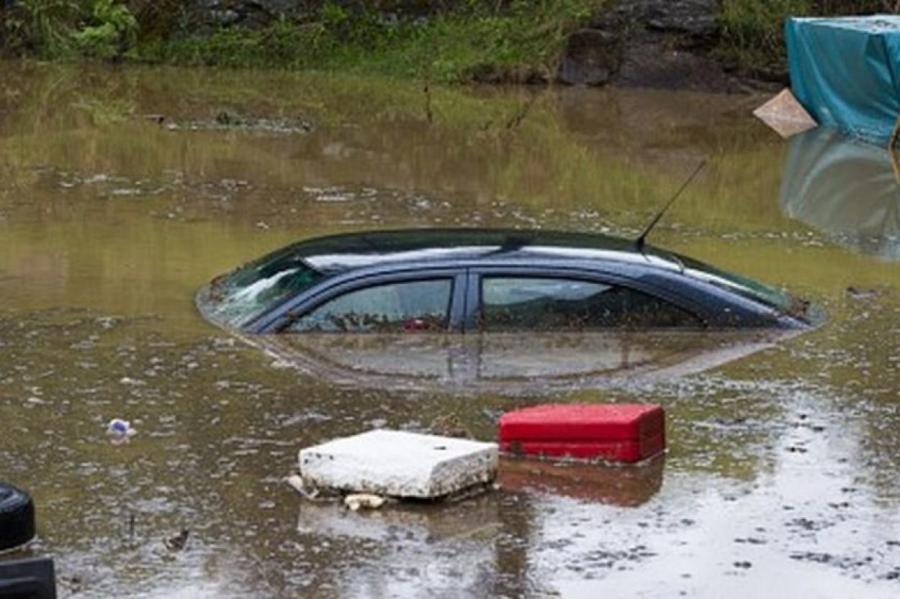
(342, 253)
(304, 267)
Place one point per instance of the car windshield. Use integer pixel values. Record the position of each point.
(246, 293)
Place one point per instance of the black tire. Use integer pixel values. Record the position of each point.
(16, 517)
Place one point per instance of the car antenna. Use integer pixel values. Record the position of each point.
(639, 242)
(511, 243)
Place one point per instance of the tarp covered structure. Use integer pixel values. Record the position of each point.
(846, 72)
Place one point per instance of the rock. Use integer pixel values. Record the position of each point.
(210, 15)
(591, 57)
(695, 19)
(399, 464)
(225, 17)
(649, 43)
(651, 65)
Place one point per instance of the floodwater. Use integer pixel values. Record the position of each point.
(122, 190)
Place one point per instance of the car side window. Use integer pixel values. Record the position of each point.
(409, 306)
(526, 303)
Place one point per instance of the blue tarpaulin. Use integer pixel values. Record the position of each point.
(846, 72)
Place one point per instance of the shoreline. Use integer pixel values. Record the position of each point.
(731, 46)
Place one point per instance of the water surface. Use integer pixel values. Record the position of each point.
(122, 190)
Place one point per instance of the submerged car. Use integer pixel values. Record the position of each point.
(487, 280)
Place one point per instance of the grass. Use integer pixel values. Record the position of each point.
(752, 31)
(521, 40)
(752, 36)
(511, 41)
(499, 40)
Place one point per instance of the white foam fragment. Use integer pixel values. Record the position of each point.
(399, 464)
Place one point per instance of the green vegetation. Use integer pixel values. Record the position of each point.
(752, 34)
(110, 28)
(450, 41)
(514, 41)
(68, 28)
(509, 40)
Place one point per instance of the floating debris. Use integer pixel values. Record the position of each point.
(355, 501)
(177, 542)
(785, 115)
(159, 119)
(861, 293)
(227, 120)
(450, 425)
(399, 464)
(119, 430)
(295, 481)
(616, 432)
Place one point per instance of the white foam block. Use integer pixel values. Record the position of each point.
(399, 464)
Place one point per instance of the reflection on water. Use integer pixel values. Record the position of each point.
(509, 364)
(848, 189)
(470, 518)
(623, 486)
(784, 458)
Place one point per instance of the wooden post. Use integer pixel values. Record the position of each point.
(895, 165)
(894, 135)
(892, 149)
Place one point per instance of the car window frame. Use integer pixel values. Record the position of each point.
(476, 275)
(306, 302)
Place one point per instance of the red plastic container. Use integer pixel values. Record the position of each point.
(617, 432)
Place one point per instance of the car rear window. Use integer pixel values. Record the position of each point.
(253, 289)
(749, 288)
(558, 304)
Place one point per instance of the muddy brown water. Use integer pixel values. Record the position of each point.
(122, 190)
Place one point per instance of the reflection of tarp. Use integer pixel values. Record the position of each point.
(846, 189)
(846, 71)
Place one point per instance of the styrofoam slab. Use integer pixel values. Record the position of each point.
(399, 464)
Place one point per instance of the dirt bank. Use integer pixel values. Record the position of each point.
(667, 44)
(710, 45)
